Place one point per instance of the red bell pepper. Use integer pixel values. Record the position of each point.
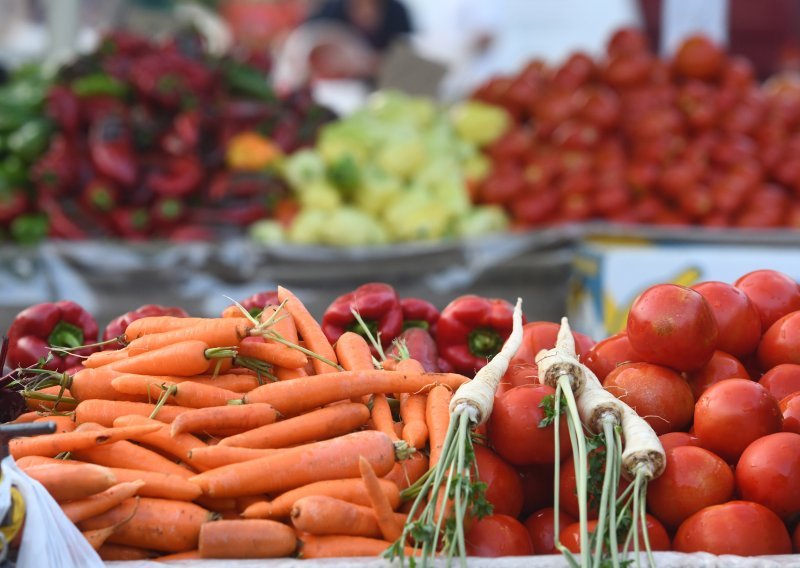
(472, 330)
(63, 107)
(421, 347)
(60, 224)
(56, 171)
(42, 326)
(256, 303)
(181, 177)
(377, 304)
(111, 150)
(116, 327)
(131, 223)
(419, 313)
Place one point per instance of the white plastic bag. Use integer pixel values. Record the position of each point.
(49, 538)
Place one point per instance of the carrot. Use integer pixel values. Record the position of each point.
(63, 422)
(288, 374)
(179, 446)
(382, 417)
(236, 382)
(218, 504)
(293, 467)
(158, 324)
(351, 490)
(98, 537)
(296, 396)
(353, 352)
(214, 332)
(158, 524)
(49, 399)
(275, 353)
(26, 417)
(53, 444)
(251, 538)
(185, 358)
(104, 412)
(130, 456)
(344, 546)
(406, 472)
(412, 408)
(437, 417)
(185, 393)
(310, 330)
(320, 514)
(389, 365)
(240, 416)
(390, 528)
(188, 555)
(99, 503)
(88, 384)
(101, 358)
(75, 482)
(281, 322)
(242, 503)
(320, 424)
(111, 552)
(212, 457)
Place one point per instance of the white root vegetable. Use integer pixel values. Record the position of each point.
(561, 361)
(643, 450)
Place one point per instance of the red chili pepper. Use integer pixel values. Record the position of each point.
(421, 347)
(95, 107)
(100, 195)
(116, 327)
(169, 79)
(111, 150)
(56, 171)
(42, 326)
(13, 203)
(191, 234)
(182, 176)
(184, 136)
(63, 107)
(131, 223)
(419, 313)
(472, 329)
(61, 225)
(377, 304)
(167, 211)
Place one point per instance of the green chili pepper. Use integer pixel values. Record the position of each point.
(99, 84)
(248, 81)
(31, 139)
(29, 229)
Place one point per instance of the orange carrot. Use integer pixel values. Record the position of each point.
(179, 446)
(63, 422)
(158, 324)
(75, 482)
(242, 503)
(390, 528)
(293, 467)
(236, 382)
(382, 416)
(288, 374)
(320, 424)
(98, 537)
(310, 330)
(212, 457)
(251, 538)
(353, 352)
(185, 358)
(296, 396)
(437, 417)
(100, 358)
(188, 555)
(158, 524)
(218, 504)
(185, 393)
(104, 412)
(49, 399)
(231, 311)
(406, 472)
(351, 490)
(320, 514)
(111, 552)
(389, 365)
(281, 323)
(99, 503)
(239, 416)
(88, 384)
(343, 546)
(412, 408)
(26, 417)
(214, 332)
(275, 353)
(53, 444)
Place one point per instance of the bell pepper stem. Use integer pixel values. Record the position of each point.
(484, 342)
(65, 335)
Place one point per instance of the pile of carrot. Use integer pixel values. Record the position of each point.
(236, 437)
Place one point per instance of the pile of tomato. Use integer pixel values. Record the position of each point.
(634, 138)
(715, 370)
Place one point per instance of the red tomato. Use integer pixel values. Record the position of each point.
(790, 408)
(498, 535)
(537, 487)
(768, 472)
(781, 380)
(657, 393)
(781, 342)
(773, 293)
(540, 526)
(568, 494)
(721, 366)
(731, 414)
(535, 208)
(503, 485)
(738, 320)
(736, 527)
(674, 326)
(677, 439)
(605, 355)
(656, 534)
(514, 430)
(694, 478)
(627, 40)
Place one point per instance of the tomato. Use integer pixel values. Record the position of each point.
(628, 69)
(677, 439)
(674, 326)
(502, 186)
(781, 342)
(600, 106)
(608, 353)
(568, 494)
(721, 366)
(512, 145)
(736, 527)
(503, 485)
(540, 526)
(694, 478)
(738, 73)
(656, 533)
(738, 320)
(535, 208)
(773, 293)
(657, 393)
(768, 473)
(698, 57)
(498, 535)
(514, 431)
(731, 414)
(790, 408)
(627, 40)
(781, 380)
(537, 487)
